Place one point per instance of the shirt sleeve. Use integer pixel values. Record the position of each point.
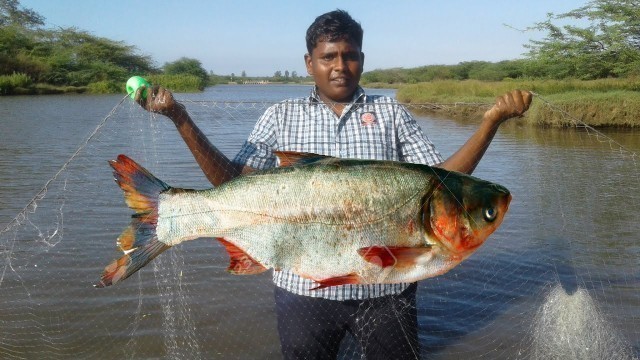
(415, 146)
(257, 151)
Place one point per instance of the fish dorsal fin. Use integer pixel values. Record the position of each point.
(292, 158)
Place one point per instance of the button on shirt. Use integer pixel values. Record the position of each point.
(371, 127)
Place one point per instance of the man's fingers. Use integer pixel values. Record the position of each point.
(527, 98)
(138, 96)
(515, 102)
(518, 102)
(154, 101)
(505, 104)
(155, 92)
(523, 100)
(511, 100)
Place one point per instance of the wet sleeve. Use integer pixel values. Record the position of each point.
(415, 146)
(257, 151)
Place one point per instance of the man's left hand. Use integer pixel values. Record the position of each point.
(509, 105)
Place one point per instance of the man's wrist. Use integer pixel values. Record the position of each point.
(178, 114)
(492, 117)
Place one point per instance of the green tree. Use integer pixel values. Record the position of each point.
(17, 38)
(186, 66)
(608, 45)
(67, 56)
(12, 13)
(74, 57)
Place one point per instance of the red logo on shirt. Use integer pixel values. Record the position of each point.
(368, 118)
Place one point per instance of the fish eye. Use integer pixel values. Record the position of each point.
(490, 214)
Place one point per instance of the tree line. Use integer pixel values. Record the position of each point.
(606, 45)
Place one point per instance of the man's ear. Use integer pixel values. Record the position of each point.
(308, 64)
(362, 61)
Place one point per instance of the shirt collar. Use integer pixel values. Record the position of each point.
(358, 96)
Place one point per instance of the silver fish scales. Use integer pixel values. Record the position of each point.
(335, 221)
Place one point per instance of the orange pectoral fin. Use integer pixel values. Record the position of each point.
(240, 263)
(385, 256)
(338, 280)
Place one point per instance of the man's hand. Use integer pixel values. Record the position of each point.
(159, 100)
(509, 105)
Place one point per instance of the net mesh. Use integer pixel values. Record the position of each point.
(558, 280)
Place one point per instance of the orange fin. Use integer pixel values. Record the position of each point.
(385, 256)
(338, 280)
(291, 158)
(138, 241)
(130, 263)
(240, 263)
(141, 188)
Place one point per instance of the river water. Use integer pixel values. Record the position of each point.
(559, 279)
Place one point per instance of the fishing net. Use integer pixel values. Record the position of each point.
(558, 280)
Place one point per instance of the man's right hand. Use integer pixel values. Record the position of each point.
(159, 100)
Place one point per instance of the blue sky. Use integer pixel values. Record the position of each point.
(261, 37)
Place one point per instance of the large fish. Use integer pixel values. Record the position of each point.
(335, 221)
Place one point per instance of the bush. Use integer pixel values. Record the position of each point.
(104, 87)
(8, 83)
(178, 83)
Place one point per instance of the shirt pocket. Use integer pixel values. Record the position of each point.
(368, 140)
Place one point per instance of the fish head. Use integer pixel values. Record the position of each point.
(463, 211)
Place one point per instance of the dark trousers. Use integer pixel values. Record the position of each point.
(313, 328)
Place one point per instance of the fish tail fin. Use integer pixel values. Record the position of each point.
(141, 188)
(139, 240)
(128, 264)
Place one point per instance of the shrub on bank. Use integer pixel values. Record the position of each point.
(178, 83)
(616, 108)
(104, 87)
(9, 83)
(474, 90)
(604, 102)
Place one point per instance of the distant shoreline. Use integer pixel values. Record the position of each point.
(598, 103)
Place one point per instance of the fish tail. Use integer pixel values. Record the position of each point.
(130, 263)
(139, 240)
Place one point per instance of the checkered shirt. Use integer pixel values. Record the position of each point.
(371, 127)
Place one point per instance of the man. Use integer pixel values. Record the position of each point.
(338, 119)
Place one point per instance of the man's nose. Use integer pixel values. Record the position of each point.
(339, 64)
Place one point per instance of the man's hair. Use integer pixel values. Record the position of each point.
(333, 26)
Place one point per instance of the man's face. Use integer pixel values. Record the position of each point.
(336, 68)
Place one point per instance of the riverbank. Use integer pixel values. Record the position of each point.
(597, 103)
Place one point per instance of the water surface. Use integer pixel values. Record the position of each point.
(572, 225)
